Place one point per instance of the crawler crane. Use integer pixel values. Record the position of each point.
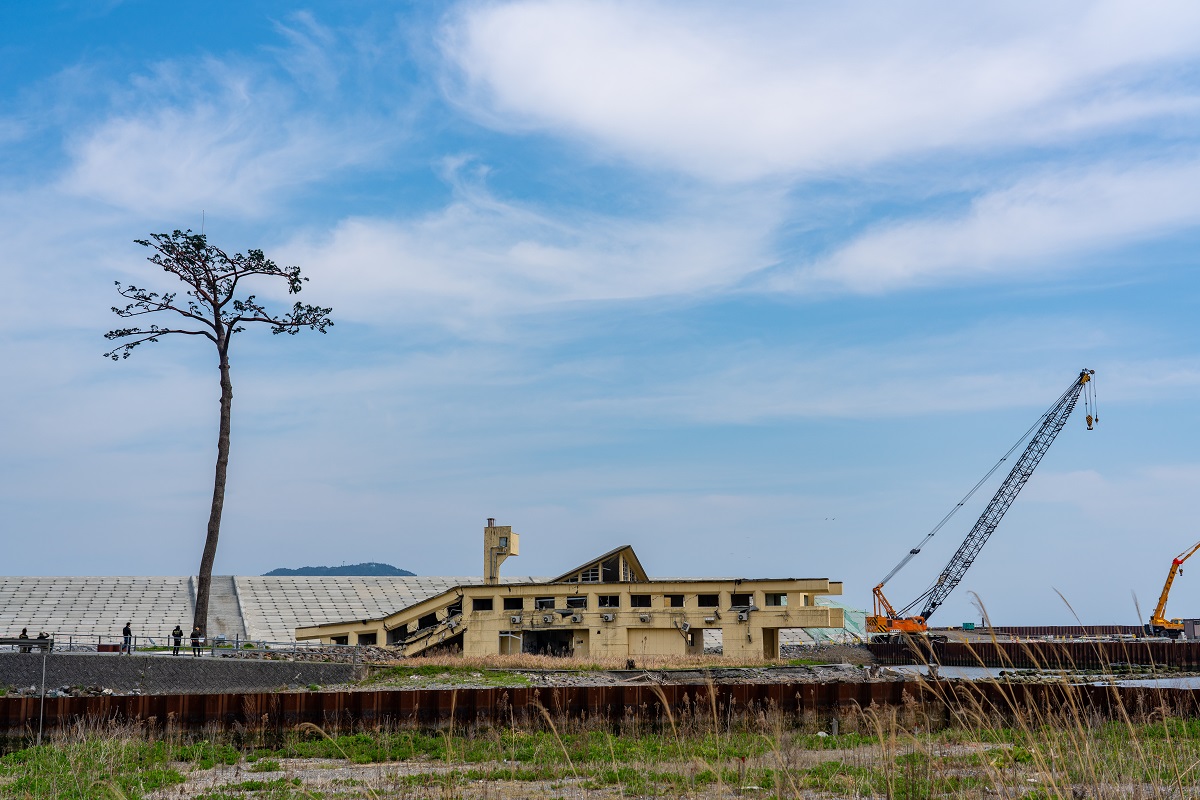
(1159, 625)
(886, 620)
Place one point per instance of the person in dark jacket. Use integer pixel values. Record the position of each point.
(177, 637)
(24, 635)
(196, 637)
(127, 639)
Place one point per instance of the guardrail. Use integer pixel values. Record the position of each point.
(147, 645)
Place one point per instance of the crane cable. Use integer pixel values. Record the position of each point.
(963, 502)
(1089, 403)
(1089, 400)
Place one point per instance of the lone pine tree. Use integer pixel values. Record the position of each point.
(209, 308)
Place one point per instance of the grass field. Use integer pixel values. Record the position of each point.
(905, 752)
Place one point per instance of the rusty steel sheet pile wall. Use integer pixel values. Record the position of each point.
(434, 706)
(1066, 631)
(1042, 655)
(617, 704)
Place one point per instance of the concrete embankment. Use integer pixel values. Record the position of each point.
(165, 674)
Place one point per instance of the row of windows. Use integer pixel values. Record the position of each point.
(610, 571)
(737, 600)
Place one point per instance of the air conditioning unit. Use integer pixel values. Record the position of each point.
(743, 616)
(710, 620)
(644, 617)
(577, 618)
(548, 619)
(608, 617)
(515, 619)
(685, 626)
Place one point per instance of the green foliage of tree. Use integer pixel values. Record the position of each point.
(213, 305)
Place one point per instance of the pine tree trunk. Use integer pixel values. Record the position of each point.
(204, 578)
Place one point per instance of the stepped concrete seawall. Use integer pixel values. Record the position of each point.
(259, 608)
(87, 609)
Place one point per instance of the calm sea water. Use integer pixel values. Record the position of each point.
(988, 673)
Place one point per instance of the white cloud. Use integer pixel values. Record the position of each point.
(1044, 222)
(482, 257)
(1120, 499)
(1023, 363)
(737, 92)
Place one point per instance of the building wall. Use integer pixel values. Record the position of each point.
(656, 629)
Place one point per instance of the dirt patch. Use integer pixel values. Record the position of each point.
(423, 778)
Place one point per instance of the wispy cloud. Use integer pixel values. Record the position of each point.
(483, 256)
(1043, 223)
(225, 136)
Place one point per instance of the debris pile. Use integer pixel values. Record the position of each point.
(66, 691)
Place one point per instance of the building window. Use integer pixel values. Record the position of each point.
(427, 621)
(610, 571)
(514, 603)
(544, 604)
(340, 639)
(503, 542)
(776, 599)
(578, 601)
(626, 572)
(639, 601)
(674, 600)
(591, 574)
(482, 604)
(708, 600)
(366, 638)
(610, 601)
(740, 599)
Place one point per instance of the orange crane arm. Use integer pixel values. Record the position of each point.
(1160, 610)
(886, 620)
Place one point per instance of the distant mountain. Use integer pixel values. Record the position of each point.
(367, 568)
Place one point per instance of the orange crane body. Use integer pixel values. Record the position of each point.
(885, 620)
(1159, 625)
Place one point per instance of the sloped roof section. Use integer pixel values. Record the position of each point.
(619, 565)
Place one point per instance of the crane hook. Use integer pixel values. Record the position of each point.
(1090, 420)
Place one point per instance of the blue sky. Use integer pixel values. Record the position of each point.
(761, 290)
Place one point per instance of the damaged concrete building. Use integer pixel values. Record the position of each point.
(607, 606)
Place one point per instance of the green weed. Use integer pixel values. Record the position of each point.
(435, 674)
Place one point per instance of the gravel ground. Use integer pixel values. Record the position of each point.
(165, 675)
(346, 781)
(827, 673)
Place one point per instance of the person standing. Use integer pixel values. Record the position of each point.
(196, 637)
(177, 637)
(24, 635)
(127, 639)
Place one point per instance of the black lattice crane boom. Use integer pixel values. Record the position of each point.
(885, 618)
